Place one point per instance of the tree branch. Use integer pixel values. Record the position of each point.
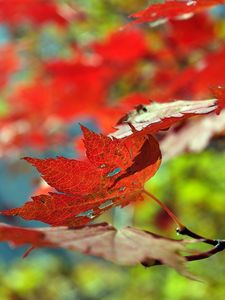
(218, 248)
(188, 232)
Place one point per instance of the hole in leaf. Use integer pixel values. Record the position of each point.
(106, 204)
(89, 213)
(114, 172)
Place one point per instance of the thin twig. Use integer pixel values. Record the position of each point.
(187, 232)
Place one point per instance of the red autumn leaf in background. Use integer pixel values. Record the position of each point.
(64, 90)
(59, 97)
(210, 72)
(173, 9)
(36, 11)
(59, 93)
(193, 81)
(122, 47)
(9, 63)
(114, 174)
(83, 84)
(183, 37)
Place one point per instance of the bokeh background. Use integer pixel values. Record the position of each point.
(65, 62)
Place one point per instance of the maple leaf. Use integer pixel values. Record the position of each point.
(58, 96)
(127, 246)
(9, 63)
(123, 47)
(185, 36)
(172, 9)
(113, 174)
(193, 81)
(148, 119)
(209, 73)
(36, 11)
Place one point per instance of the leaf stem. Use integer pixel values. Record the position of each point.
(188, 232)
(28, 251)
(181, 227)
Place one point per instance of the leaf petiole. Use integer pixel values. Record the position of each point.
(181, 227)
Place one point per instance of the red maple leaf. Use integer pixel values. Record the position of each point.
(193, 81)
(173, 9)
(113, 174)
(185, 36)
(9, 63)
(122, 47)
(37, 11)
